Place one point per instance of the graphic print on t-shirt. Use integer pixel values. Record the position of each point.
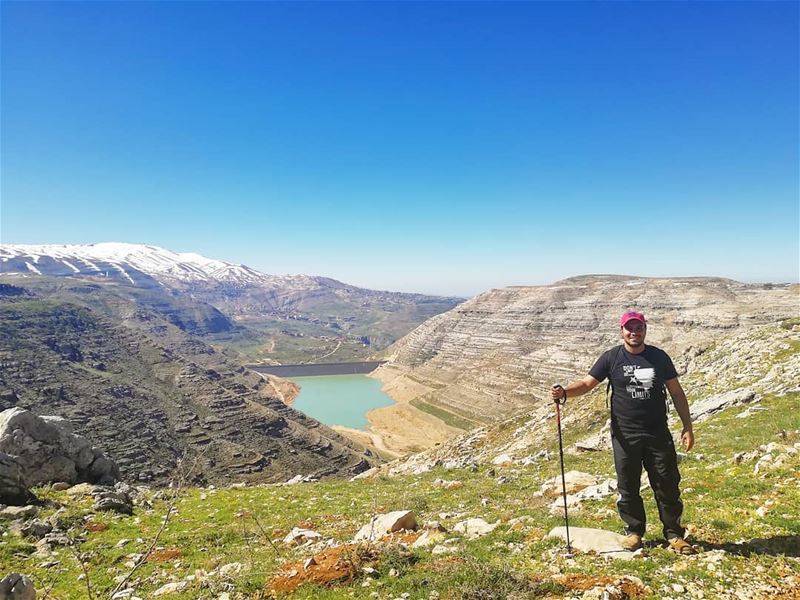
(640, 381)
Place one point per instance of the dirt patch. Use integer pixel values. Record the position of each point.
(307, 524)
(535, 535)
(406, 429)
(334, 565)
(369, 439)
(165, 554)
(788, 589)
(575, 581)
(627, 587)
(330, 519)
(401, 537)
(403, 428)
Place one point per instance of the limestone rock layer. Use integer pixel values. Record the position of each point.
(502, 350)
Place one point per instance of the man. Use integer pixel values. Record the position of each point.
(639, 433)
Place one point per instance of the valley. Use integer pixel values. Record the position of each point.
(289, 292)
(481, 361)
(153, 395)
(482, 508)
(269, 319)
(466, 448)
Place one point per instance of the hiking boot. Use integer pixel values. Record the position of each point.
(631, 542)
(681, 546)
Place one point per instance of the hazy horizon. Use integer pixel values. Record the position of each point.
(469, 294)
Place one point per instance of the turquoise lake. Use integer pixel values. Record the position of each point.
(340, 399)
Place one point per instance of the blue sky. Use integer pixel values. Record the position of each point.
(436, 147)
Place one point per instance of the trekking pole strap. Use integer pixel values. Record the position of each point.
(563, 399)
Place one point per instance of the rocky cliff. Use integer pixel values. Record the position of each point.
(150, 394)
(502, 350)
(738, 370)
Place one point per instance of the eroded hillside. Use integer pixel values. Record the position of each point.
(501, 351)
(149, 393)
(739, 368)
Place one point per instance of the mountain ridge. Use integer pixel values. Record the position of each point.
(164, 265)
(288, 317)
(161, 264)
(500, 350)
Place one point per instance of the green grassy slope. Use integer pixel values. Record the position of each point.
(211, 528)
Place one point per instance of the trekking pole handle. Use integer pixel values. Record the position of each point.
(563, 399)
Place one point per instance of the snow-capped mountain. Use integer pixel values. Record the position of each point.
(139, 265)
(296, 316)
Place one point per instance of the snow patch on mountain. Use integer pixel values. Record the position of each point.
(112, 259)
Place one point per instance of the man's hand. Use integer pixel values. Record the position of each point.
(557, 393)
(687, 439)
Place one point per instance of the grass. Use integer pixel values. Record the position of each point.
(790, 323)
(214, 527)
(794, 348)
(448, 417)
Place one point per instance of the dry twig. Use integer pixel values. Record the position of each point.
(170, 509)
(49, 587)
(73, 546)
(266, 536)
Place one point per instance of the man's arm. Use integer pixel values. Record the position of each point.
(578, 387)
(682, 406)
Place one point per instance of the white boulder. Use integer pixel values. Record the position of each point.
(380, 525)
(171, 588)
(598, 541)
(503, 460)
(48, 451)
(13, 489)
(299, 536)
(575, 481)
(474, 528)
(428, 538)
(706, 407)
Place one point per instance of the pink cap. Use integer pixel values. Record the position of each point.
(631, 315)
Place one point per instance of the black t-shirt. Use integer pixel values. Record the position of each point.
(638, 397)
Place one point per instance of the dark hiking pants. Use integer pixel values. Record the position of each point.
(656, 451)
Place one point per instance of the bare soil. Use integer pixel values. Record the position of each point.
(406, 429)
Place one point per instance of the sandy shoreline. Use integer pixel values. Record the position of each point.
(406, 429)
(400, 428)
(286, 390)
(368, 439)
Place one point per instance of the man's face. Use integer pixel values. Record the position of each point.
(633, 333)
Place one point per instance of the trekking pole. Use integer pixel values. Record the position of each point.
(558, 403)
